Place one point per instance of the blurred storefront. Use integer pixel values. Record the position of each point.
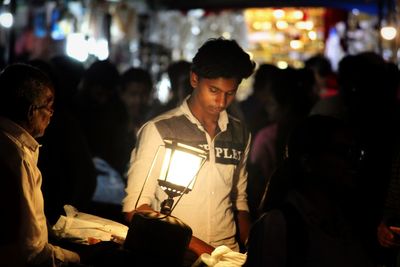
(142, 33)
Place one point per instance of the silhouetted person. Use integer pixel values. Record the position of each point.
(101, 113)
(67, 72)
(289, 95)
(69, 175)
(253, 108)
(26, 106)
(135, 90)
(311, 226)
(326, 80)
(366, 100)
(178, 73)
(135, 87)
(389, 228)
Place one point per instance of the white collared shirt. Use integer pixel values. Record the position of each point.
(21, 190)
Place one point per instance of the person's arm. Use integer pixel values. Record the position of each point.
(198, 246)
(239, 198)
(244, 223)
(57, 255)
(140, 175)
(30, 237)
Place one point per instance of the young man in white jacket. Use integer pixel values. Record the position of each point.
(216, 209)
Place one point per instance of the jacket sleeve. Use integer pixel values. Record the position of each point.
(239, 195)
(148, 148)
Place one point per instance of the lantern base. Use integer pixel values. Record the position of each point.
(158, 239)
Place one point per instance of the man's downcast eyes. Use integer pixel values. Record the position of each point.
(215, 90)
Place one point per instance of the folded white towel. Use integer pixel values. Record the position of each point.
(222, 256)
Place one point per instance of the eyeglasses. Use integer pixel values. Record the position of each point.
(47, 107)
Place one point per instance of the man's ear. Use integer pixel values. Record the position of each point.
(30, 112)
(194, 79)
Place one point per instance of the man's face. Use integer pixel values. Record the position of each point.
(41, 114)
(213, 95)
(135, 96)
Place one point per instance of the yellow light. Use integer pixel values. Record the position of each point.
(282, 64)
(181, 164)
(298, 64)
(279, 13)
(300, 25)
(226, 35)
(388, 32)
(304, 25)
(297, 14)
(257, 25)
(309, 25)
(296, 44)
(312, 35)
(281, 25)
(266, 25)
(183, 168)
(259, 13)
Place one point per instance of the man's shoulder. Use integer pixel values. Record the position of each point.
(234, 119)
(237, 125)
(10, 149)
(172, 120)
(169, 115)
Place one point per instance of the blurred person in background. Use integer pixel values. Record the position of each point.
(289, 98)
(311, 226)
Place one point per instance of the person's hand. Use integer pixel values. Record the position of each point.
(128, 216)
(388, 236)
(198, 246)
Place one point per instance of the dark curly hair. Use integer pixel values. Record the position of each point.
(219, 57)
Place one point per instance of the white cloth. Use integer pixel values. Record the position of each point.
(220, 187)
(222, 256)
(18, 169)
(81, 227)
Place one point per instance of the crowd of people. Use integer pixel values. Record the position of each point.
(308, 174)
